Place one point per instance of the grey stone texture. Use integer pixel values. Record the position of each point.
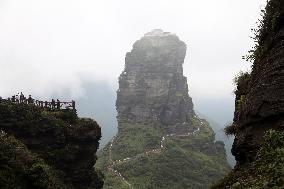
(152, 87)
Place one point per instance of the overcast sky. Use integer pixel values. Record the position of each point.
(52, 46)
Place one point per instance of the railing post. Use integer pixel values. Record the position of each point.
(73, 104)
(58, 104)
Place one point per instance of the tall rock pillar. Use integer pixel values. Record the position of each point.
(152, 87)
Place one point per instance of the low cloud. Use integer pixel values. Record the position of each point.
(50, 47)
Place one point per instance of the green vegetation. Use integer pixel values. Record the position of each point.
(179, 94)
(268, 26)
(21, 169)
(266, 172)
(194, 161)
(135, 139)
(240, 102)
(68, 115)
(266, 169)
(44, 149)
(132, 139)
(241, 82)
(230, 129)
(114, 182)
(241, 77)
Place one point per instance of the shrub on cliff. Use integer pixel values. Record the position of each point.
(271, 22)
(230, 129)
(266, 172)
(21, 169)
(269, 166)
(241, 82)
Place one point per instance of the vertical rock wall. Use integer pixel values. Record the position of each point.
(152, 87)
(261, 98)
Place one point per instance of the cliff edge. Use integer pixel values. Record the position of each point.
(47, 149)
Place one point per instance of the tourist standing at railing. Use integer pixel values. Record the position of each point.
(58, 104)
(30, 99)
(52, 104)
(17, 98)
(73, 104)
(22, 97)
(13, 98)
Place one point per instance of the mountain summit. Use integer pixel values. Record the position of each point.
(161, 143)
(152, 87)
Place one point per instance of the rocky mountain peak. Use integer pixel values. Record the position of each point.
(158, 131)
(158, 32)
(152, 88)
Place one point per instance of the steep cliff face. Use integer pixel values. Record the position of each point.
(56, 148)
(259, 116)
(152, 87)
(161, 143)
(261, 94)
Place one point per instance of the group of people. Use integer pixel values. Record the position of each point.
(20, 98)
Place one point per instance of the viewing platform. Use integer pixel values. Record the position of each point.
(50, 105)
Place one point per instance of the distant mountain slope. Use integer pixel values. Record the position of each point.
(221, 136)
(143, 156)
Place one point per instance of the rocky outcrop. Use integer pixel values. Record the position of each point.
(259, 114)
(62, 141)
(261, 96)
(160, 143)
(152, 87)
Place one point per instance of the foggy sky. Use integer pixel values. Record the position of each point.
(50, 47)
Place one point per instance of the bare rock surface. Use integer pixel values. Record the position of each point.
(152, 87)
(262, 107)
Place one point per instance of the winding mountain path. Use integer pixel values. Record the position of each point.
(111, 168)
